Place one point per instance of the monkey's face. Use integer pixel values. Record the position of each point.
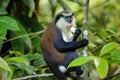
(66, 21)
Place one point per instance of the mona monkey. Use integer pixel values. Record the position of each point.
(58, 45)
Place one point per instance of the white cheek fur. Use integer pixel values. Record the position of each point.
(67, 33)
(61, 24)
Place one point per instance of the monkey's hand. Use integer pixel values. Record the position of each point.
(84, 42)
(77, 32)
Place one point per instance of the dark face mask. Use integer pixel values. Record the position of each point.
(68, 19)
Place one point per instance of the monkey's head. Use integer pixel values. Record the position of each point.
(65, 21)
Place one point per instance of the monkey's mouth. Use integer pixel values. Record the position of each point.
(71, 28)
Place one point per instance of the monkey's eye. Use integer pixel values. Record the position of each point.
(68, 19)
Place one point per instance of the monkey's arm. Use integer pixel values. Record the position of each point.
(76, 34)
(63, 46)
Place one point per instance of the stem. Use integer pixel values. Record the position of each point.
(86, 9)
(85, 23)
(24, 35)
(34, 76)
(64, 5)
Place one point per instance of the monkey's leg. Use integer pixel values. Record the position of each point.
(74, 73)
(60, 75)
(78, 71)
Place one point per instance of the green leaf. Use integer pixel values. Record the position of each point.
(2, 11)
(3, 66)
(26, 67)
(29, 23)
(30, 4)
(3, 32)
(36, 43)
(103, 33)
(18, 59)
(37, 59)
(100, 63)
(34, 56)
(115, 55)
(101, 66)
(107, 48)
(13, 25)
(114, 62)
(21, 63)
(15, 46)
(112, 30)
(9, 23)
(80, 61)
(39, 63)
(23, 39)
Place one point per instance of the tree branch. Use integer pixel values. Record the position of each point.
(34, 76)
(64, 5)
(85, 33)
(100, 4)
(21, 36)
(86, 9)
(109, 78)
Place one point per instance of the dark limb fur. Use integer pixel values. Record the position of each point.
(68, 46)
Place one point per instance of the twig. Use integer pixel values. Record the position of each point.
(34, 76)
(64, 5)
(86, 9)
(99, 4)
(35, 33)
(108, 78)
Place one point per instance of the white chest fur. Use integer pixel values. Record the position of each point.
(67, 37)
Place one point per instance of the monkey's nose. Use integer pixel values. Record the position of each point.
(69, 26)
(69, 20)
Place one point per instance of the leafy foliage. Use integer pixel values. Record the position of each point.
(7, 23)
(30, 4)
(21, 24)
(4, 66)
(101, 66)
(80, 61)
(108, 48)
(101, 63)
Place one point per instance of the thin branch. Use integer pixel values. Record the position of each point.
(86, 9)
(79, 2)
(64, 5)
(85, 23)
(109, 78)
(99, 4)
(85, 34)
(34, 76)
(21, 36)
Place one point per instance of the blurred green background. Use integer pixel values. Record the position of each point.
(22, 23)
